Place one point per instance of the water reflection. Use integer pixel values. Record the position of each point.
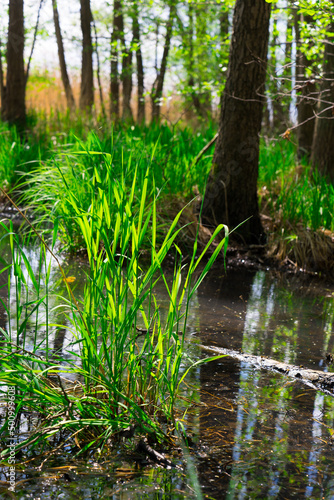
(277, 442)
(261, 435)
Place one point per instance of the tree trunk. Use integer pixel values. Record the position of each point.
(87, 79)
(157, 87)
(307, 96)
(118, 30)
(190, 62)
(322, 148)
(126, 78)
(231, 193)
(201, 27)
(14, 108)
(277, 110)
(62, 63)
(114, 80)
(2, 84)
(34, 40)
(98, 72)
(140, 65)
(127, 83)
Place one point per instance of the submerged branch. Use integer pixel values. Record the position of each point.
(313, 378)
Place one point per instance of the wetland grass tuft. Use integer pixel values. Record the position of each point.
(300, 204)
(122, 371)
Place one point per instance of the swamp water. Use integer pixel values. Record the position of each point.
(256, 434)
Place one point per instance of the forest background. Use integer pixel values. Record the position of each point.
(143, 62)
(169, 125)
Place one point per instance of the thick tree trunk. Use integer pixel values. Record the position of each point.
(306, 102)
(157, 87)
(322, 149)
(87, 78)
(140, 65)
(62, 63)
(14, 108)
(231, 194)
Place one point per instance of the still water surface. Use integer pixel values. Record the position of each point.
(257, 434)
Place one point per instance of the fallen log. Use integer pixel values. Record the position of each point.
(313, 378)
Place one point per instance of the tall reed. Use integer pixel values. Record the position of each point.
(126, 360)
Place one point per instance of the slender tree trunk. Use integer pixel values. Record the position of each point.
(306, 102)
(87, 78)
(140, 65)
(157, 87)
(62, 63)
(126, 78)
(231, 194)
(190, 66)
(34, 40)
(2, 84)
(126, 55)
(103, 109)
(224, 32)
(322, 148)
(114, 80)
(277, 108)
(118, 29)
(14, 108)
(205, 105)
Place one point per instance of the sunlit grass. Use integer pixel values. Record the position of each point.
(294, 193)
(125, 366)
(300, 205)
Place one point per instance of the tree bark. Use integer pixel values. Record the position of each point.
(157, 87)
(231, 193)
(322, 148)
(126, 78)
(98, 72)
(118, 29)
(62, 63)
(14, 108)
(34, 40)
(140, 65)
(2, 83)
(87, 78)
(190, 62)
(306, 102)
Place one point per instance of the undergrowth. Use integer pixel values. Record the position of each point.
(300, 205)
(122, 370)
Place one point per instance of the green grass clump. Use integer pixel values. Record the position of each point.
(170, 155)
(295, 195)
(127, 361)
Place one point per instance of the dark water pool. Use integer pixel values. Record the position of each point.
(256, 434)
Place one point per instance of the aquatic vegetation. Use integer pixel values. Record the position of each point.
(121, 372)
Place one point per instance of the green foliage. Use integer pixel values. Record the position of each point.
(127, 361)
(295, 197)
(201, 52)
(169, 153)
